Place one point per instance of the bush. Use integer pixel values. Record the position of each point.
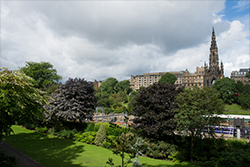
(87, 137)
(237, 153)
(69, 134)
(41, 129)
(51, 132)
(8, 160)
(29, 126)
(159, 149)
(107, 143)
(90, 127)
(100, 136)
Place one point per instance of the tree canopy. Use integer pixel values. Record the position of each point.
(248, 73)
(123, 86)
(195, 112)
(19, 100)
(154, 110)
(227, 88)
(111, 94)
(168, 78)
(43, 73)
(108, 85)
(73, 101)
(244, 96)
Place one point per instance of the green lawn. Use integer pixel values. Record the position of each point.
(69, 153)
(235, 109)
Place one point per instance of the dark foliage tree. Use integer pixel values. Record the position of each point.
(244, 97)
(168, 78)
(73, 101)
(132, 97)
(196, 109)
(248, 73)
(19, 100)
(43, 73)
(227, 88)
(154, 110)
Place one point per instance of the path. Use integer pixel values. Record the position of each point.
(23, 159)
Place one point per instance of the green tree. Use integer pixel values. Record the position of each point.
(104, 91)
(123, 86)
(227, 88)
(168, 78)
(73, 101)
(244, 97)
(154, 110)
(19, 100)
(43, 73)
(100, 136)
(196, 109)
(248, 73)
(108, 85)
(239, 90)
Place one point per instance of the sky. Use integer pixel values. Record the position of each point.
(96, 40)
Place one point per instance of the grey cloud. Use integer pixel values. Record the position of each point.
(119, 23)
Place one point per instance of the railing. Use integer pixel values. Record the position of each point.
(110, 118)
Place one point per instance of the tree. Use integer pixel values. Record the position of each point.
(123, 86)
(43, 73)
(195, 112)
(100, 136)
(19, 100)
(227, 88)
(244, 97)
(108, 85)
(73, 101)
(168, 78)
(248, 73)
(104, 91)
(154, 110)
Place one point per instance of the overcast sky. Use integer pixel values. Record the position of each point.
(96, 40)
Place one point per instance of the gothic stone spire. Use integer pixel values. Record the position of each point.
(213, 57)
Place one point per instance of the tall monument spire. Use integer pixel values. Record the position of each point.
(214, 71)
(213, 57)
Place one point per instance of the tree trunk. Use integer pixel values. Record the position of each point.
(192, 148)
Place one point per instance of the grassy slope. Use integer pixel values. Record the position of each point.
(235, 109)
(68, 153)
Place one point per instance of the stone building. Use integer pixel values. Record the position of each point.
(203, 76)
(240, 76)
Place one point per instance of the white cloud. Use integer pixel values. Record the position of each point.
(242, 5)
(97, 40)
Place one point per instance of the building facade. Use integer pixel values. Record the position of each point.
(240, 75)
(203, 76)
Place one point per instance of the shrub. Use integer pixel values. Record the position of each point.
(109, 140)
(87, 137)
(90, 127)
(29, 126)
(98, 125)
(100, 136)
(159, 149)
(8, 160)
(51, 132)
(236, 154)
(69, 134)
(41, 129)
